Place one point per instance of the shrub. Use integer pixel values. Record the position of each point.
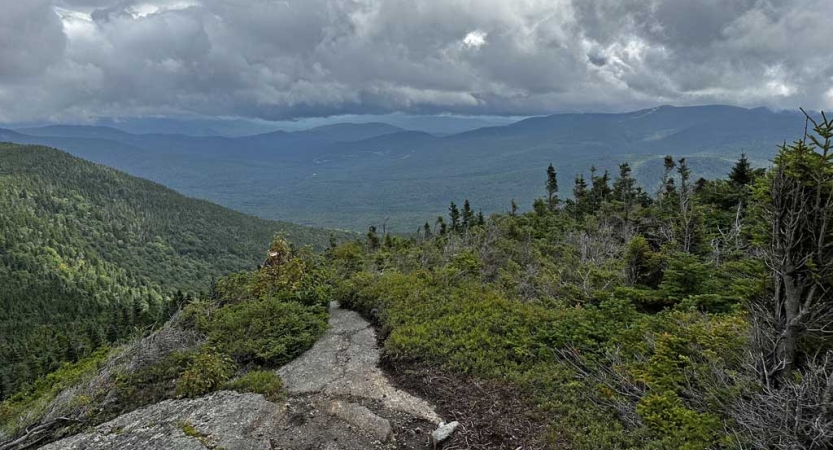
(153, 383)
(264, 382)
(644, 267)
(206, 373)
(267, 332)
(686, 275)
(676, 425)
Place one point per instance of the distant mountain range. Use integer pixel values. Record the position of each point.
(237, 127)
(354, 175)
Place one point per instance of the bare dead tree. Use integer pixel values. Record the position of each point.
(687, 212)
(794, 414)
(729, 240)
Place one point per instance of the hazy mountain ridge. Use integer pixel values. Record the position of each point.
(355, 175)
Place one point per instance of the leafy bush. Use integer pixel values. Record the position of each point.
(679, 426)
(264, 382)
(207, 372)
(154, 383)
(268, 332)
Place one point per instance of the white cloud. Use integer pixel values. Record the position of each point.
(474, 39)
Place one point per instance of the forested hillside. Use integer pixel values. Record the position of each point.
(89, 255)
(698, 317)
(250, 323)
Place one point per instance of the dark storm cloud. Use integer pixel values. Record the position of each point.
(273, 59)
(31, 38)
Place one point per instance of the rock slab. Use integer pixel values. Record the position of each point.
(363, 418)
(222, 420)
(345, 363)
(339, 400)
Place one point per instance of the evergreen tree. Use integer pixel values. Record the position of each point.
(667, 187)
(625, 189)
(579, 197)
(454, 215)
(468, 215)
(797, 200)
(480, 219)
(372, 238)
(443, 227)
(552, 187)
(426, 230)
(599, 190)
(742, 173)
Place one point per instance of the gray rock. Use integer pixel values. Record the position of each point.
(226, 420)
(345, 363)
(326, 385)
(443, 432)
(362, 418)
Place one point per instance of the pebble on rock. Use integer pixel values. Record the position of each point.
(443, 432)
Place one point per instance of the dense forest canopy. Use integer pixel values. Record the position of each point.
(88, 255)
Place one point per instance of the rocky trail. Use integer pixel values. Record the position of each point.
(338, 399)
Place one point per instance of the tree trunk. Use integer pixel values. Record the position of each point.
(791, 324)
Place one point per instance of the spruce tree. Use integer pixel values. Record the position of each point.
(742, 173)
(580, 196)
(443, 226)
(468, 215)
(599, 190)
(687, 216)
(667, 187)
(454, 215)
(552, 187)
(624, 189)
(797, 200)
(372, 239)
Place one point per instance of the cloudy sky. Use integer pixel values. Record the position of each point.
(76, 60)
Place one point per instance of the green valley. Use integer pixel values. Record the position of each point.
(90, 256)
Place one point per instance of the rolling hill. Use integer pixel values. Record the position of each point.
(356, 175)
(89, 254)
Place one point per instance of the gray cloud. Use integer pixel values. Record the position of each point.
(272, 59)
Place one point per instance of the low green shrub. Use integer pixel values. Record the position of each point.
(207, 372)
(264, 382)
(266, 332)
(153, 383)
(678, 426)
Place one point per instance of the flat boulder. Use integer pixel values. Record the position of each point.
(364, 419)
(228, 420)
